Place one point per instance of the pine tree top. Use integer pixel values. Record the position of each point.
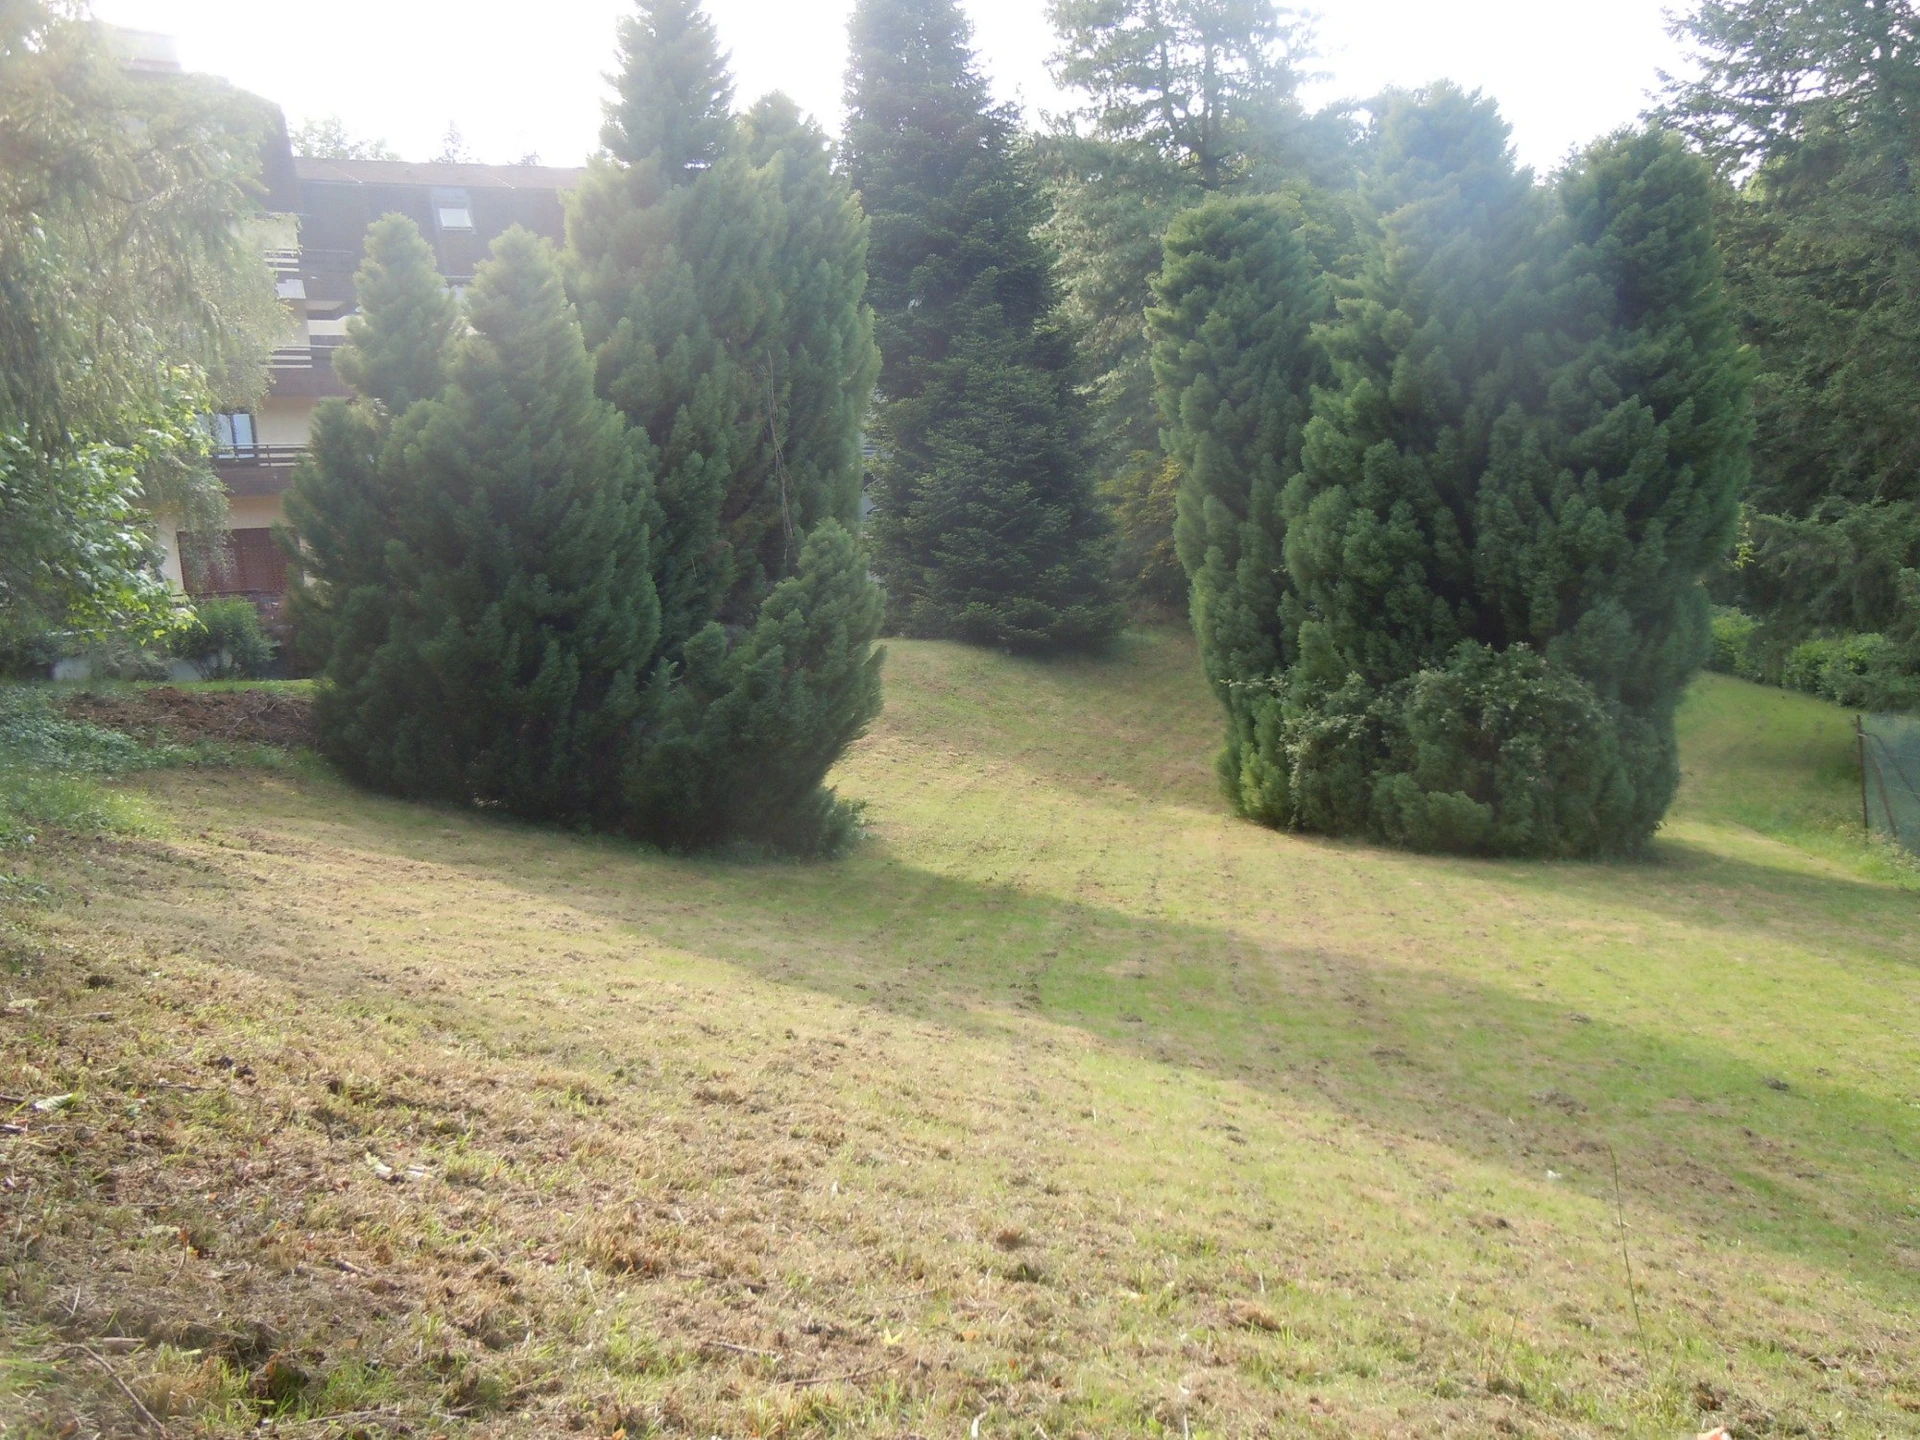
(954, 203)
(397, 346)
(674, 113)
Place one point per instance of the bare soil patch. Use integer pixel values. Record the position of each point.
(237, 717)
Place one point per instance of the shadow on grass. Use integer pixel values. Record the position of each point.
(1820, 1171)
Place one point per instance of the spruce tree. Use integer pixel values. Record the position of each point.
(521, 613)
(1447, 548)
(985, 526)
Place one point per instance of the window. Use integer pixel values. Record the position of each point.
(232, 432)
(452, 209)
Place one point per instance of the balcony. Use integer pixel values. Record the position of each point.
(257, 469)
(306, 370)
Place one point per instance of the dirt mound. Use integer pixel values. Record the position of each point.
(241, 717)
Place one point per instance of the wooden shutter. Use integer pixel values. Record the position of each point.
(255, 565)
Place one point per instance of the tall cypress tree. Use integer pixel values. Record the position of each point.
(1234, 365)
(1465, 620)
(719, 269)
(522, 617)
(985, 526)
(819, 385)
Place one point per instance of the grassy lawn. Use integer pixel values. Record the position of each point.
(1069, 1105)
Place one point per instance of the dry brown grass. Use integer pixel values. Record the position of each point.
(390, 1121)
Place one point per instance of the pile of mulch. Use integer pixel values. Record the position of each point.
(238, 717)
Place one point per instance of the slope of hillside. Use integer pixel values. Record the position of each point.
(1069, 1105)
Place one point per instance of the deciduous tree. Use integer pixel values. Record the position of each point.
(134, 298)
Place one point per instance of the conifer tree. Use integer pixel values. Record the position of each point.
(748, 733)
(341, 504)
(522, 618)
(985, 526)
(1455, 607)
(1179, 100)
(399, 341)
(1234, 366)
(719, 268)
(1809, 111)
(820, 382)
(719, 276)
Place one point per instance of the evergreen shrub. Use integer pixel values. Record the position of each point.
(586, 553)
(1734, 651)
(1447, 523)
(1861, 672)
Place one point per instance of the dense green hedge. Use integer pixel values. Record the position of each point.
(1862, 671)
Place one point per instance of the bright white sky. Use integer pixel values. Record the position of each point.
(525, 75)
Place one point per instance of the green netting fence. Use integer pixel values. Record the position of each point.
(1890, 777)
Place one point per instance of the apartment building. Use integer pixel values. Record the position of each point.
(321, 211)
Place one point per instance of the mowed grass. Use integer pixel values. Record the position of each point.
(1069, 1105)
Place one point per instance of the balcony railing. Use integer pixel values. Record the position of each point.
(257, 469)
(307, 369)
(259, 454)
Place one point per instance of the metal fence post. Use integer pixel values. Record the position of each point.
(1860, 741)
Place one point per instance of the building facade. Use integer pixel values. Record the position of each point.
(315, 238)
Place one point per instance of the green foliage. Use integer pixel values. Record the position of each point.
(723, 298)
(819, 382)
(673, 120)
(78, 554)
(1848, 569)
(120, 656)
(223, 640)
(34, 735)
(745, 738)
(520, 614)
(1234, 364)
(52, 769)
(1809, 110)
(132, 301)
(1207, 85)
(1446, 547)
(327, 138)
(1733, 651)
(1142, 497)
(1862, 672)
(721, 276)
(342, 501)
(399, 341)
(598, 570)
(1182, 100)
(985, 526)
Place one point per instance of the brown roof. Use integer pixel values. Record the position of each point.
(469, 177)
